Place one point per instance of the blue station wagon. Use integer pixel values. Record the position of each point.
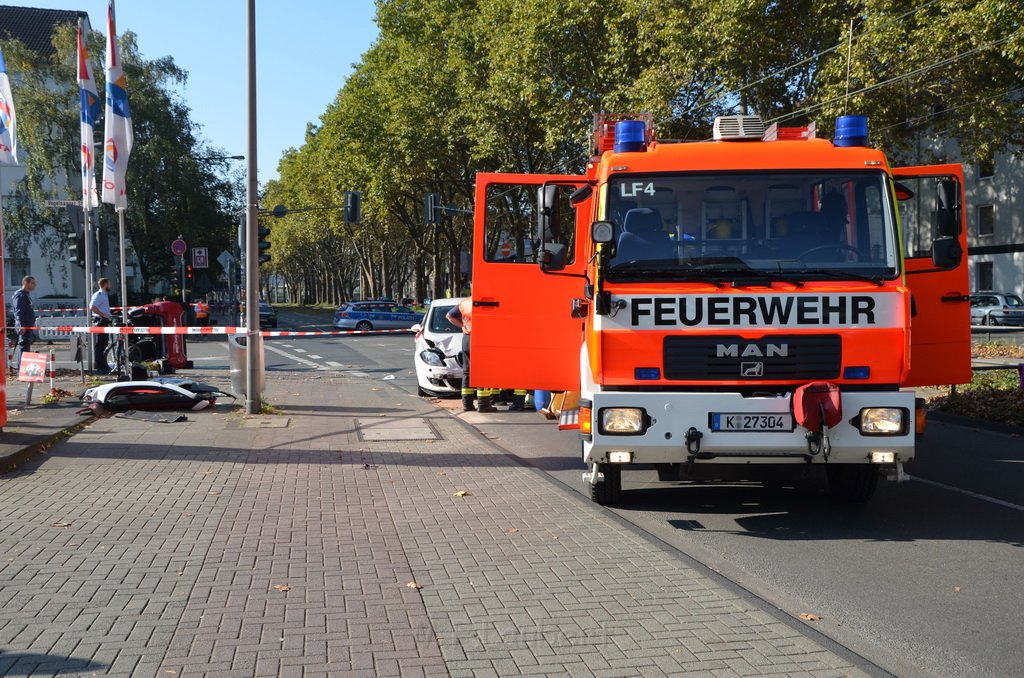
(375, 315)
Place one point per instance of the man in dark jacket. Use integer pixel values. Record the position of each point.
(24, 318)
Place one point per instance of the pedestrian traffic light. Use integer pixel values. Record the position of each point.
(431, 208)
(76, 248)
(263, 245)
(352, 202)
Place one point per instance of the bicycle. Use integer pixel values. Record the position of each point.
(124, 363)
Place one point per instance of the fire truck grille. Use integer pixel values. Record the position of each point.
(732, 358)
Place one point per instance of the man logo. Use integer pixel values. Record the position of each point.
(752, 350)
(751, 369)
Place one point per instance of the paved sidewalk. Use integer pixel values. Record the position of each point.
(362, 532)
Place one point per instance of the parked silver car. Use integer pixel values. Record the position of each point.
(996, 308)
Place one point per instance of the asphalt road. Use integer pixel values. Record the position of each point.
(923, 580)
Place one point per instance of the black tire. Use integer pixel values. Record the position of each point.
(607, 491)
(984, 319)
(135, 353)
(852, 483)
(364, 325)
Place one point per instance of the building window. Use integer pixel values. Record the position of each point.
(986, 219)
(984, 275)
(986, 169)
(16, 270)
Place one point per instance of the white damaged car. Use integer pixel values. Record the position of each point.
(438, 354)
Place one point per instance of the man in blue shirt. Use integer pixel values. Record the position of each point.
(99, 306)
(24, 318)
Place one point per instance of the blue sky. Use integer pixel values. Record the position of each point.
(305, 50)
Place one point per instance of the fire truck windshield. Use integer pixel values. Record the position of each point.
(727, 225)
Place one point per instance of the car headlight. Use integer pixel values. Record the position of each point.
(431, 358)
(622, 420)
(883, 421)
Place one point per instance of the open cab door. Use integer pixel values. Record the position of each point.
(524, 333)
(930, 201)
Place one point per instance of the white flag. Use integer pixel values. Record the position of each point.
(90, 113)
(117, 132)
(8, 142)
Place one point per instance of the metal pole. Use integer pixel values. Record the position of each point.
(90, 273)
(252, 273)
(124, 278)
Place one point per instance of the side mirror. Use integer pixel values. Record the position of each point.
(602, 231)
(946, 253)
(579, 195)
(947, 215)
(552, 257)
(548, 228)
(416, 328)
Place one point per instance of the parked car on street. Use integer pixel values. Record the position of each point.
(268, 316)
(438, 355)
(375, 315)
(996, 308)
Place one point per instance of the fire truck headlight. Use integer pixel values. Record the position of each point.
(431, 358)
(623, 420)
(883, 421)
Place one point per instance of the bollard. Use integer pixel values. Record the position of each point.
(53, 367)
(1020, 375)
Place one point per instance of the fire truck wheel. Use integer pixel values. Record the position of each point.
(607, 491)
(853, 483)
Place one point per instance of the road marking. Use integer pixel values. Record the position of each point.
(299, 350)
(975, 495)
(331, 363)
(298, 359)
(316, 357)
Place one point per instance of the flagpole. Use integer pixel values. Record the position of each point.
(90, 271)
(124, 278)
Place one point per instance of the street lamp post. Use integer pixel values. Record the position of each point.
(254, 345)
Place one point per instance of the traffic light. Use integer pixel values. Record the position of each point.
(431, 208)
(263, 245)
(352, 200)
(188, 271)
(76, 248)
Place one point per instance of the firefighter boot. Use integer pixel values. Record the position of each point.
(518, 401)
(483, 401)
(468, 399)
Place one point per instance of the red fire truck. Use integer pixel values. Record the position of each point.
(760, 305)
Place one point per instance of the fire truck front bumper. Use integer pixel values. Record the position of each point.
(664, 427)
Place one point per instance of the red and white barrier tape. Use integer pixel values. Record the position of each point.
(68, 329)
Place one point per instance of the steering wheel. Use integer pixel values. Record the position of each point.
(837, 247)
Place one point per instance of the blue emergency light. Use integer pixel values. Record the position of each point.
(647, 373)
(851, 130)
(630, 136)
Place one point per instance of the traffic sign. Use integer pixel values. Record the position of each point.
(63, 203)
(200, 257)
(225, 259)
(179, 247)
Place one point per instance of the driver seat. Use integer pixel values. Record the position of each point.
(642, 237)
